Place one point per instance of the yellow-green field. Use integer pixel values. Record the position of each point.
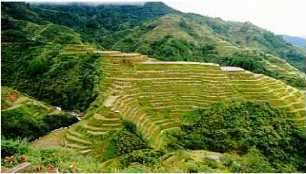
(153, 94)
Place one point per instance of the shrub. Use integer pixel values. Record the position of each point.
(126, 140)
(60, 120)
(20, 122)
(67, 161)
(145, 157)
(239, 126)
(252, 162)
(38, 65)
(13, 147)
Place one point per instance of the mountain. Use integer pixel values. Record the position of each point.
(296, 41)
(106, 23)
(199, 95)
(191, 37)
(159, 31)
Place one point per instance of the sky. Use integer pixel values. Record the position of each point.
(279, 16)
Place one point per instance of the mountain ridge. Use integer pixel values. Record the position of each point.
(296, 40)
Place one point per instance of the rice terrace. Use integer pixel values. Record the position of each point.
(143, 87)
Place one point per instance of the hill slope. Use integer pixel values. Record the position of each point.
(152, 94)
(113, 22)
(186, 38)
(296, 41)
(25, 117)
(194, 38)
(136, 106)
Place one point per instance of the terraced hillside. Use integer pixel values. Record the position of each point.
(153, 94)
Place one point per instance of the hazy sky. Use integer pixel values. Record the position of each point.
(278, 16)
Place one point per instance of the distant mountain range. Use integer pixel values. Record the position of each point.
(296, 41)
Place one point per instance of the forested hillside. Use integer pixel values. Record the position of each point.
(108, 25)
(296, 41)
(25, 117)
(156, 30)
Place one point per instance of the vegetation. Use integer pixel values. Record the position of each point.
(122, 27)
(24, 117)
(133, 104)
(42, 160)
(296, 41)
(242, 126)
(45, 72)
(122, 142)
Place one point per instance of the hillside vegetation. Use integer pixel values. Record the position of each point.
(296, 41)
(239, 127)
(179, 92)
(151, 95)
(25, 117)
(52, 72)
(109, 23)
(162, 33)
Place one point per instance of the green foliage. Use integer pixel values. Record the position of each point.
(239, 126)
(54, 121)
(21, 122)
(255, 162)
(248, 62)
(129, 126)
(27, 118)
(125, 141)
(252, 162)
(38, 65)
(62, 80)
(146, 157)
(63, 159)
(170, 48)
(11, 147)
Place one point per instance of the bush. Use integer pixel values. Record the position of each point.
(38, 65)
(21, 123)
(60, 120)
(239, 126)
(254, 161)
(146, 157)
(126, 140)
(13, 147)
(67, 161)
